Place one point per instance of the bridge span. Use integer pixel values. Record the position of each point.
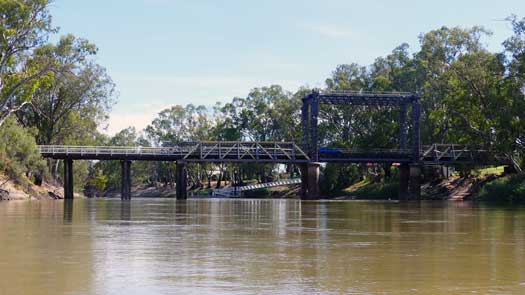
(409, 152)
(256, 152)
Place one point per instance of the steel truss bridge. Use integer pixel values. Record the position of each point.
(206, 151)
(269, 152)
(409, 152)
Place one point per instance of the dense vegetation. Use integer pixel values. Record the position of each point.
(509, 189)
(58, 94)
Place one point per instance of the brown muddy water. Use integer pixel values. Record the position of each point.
(218, 246)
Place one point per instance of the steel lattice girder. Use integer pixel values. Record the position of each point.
(382, 99)
(271, 152)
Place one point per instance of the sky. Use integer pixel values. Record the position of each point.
(165, 52)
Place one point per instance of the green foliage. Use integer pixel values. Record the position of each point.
(67, 108)
(178, 124)
(99, 181)
(336, 177)
(24, 26)
(510, 189)
(18, 151)
(56, 90)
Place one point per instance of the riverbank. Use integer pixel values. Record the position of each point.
(13, 190)
(490, 187)
(291, 191)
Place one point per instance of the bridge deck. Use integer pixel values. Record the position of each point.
(211, 151)
(271, 152)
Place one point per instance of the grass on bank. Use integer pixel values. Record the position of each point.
(366, 189)
(498, 171)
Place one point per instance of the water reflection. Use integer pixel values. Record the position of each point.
(159, 246)
(68, 211)
(125, 210)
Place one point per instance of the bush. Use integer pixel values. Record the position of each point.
(18, 152)
(335, 177)
(510, 189)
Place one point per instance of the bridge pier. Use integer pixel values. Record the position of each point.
(415, 182)
(125, 187)
(409, 182)
(310, 181)
(404, 177)
(181, 181)
(68, 179)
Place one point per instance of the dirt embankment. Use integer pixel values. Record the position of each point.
(9, 190)
(456, 188)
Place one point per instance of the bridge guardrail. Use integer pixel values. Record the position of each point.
(191, 151)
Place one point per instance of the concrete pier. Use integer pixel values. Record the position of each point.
(68, 179)
(310, 181)
(125, 187)
(181, 181)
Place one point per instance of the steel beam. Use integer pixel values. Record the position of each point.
(305, 123)
(125, 180)
(314, 140)
(181, 181)
(68, 179)
(403, 126)
(416, 132)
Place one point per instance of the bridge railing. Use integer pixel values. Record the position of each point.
(458, 153)
(205, 151)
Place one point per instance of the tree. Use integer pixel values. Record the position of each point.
(24, 25)
(68, 108)
(514, 56)
(178, 124)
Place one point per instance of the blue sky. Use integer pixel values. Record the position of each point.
(165, 52)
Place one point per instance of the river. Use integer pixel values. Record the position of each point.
(220, 246)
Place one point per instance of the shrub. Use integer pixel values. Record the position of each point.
(510, 189)
(18, 152)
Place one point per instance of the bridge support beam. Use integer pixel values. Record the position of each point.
(125, 187)
(310, 181)
(68, 179)
(409, 182)
(181, 181)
